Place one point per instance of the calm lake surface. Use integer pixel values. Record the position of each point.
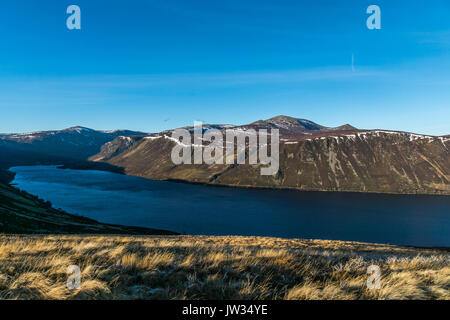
(198, 209)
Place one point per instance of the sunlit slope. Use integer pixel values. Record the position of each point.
(354, 161)
(188, 267)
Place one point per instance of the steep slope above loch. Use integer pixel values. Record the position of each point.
(22, 213)
(312, 157)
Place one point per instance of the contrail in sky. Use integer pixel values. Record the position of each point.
(353, 62)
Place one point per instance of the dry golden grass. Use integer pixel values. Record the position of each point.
(189, 267)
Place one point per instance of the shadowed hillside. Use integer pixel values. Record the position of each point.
(75, 143)
(23, 213)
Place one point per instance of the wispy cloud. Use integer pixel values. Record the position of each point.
(441, 38)
(226, 79)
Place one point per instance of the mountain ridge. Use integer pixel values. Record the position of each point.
(75, 142)
(21, 212)
(312, 158)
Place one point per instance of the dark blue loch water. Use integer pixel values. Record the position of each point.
(198, 209)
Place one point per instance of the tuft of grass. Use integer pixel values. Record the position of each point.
(202, 267)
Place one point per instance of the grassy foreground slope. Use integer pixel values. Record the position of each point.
(200, 267)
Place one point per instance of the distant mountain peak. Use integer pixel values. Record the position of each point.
(346, 127)
(78, 129)
(74, 142)
(291, 125)
(281, 117)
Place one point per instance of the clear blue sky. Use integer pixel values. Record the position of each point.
(152, 65)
